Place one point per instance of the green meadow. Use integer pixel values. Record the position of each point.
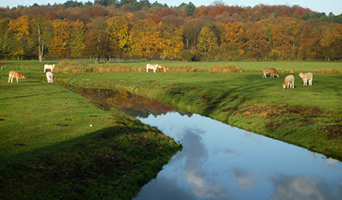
(45, 128)
(55, 144)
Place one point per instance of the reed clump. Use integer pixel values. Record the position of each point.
(329, 71)
(74, 66)
(224, 69)
(183, 69)
(114, 68)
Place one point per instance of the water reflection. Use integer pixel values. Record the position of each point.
(222, 162)
(129, 103)
(304, 188)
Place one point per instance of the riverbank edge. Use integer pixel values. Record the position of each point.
(313, 128)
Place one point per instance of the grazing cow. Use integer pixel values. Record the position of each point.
(154, 67)
(14, 74)
(163, 67)
(49, 76)
(288, 82)
(306, 77)
(271, 71)
(51, 67)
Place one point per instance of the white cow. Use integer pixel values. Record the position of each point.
(154, 67)
(288, 82)
(306, 77)
(49, 76)
(51, 67)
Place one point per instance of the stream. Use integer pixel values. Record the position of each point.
(219, 161)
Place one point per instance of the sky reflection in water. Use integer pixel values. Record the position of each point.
(222, 162)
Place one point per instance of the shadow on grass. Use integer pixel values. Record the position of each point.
(23, 87)
(113, 162)
(227, 92)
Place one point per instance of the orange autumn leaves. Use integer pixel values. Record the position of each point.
(212, 33)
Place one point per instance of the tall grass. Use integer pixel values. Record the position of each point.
(80, 66)
(219, 68)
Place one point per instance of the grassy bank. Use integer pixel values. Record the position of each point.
(57, 144)
(308, 116)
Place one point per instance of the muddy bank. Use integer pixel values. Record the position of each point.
(127, 102)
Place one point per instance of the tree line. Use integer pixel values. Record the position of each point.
(127, 29)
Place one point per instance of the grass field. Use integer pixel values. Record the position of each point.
(49, 150)
(308, 116)
(324, 93)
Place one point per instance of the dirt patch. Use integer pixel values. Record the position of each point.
(228, 109)
(272, 126)
(307, 111)
(171, 86)
(295, 115)
(176, 90)
(267, 111)
(174, 93)
(261, 110)
(332, 132)
(190, 88)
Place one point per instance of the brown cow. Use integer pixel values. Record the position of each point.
(271, 71)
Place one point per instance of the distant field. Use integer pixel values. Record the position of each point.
(255, 66)
(325, 91)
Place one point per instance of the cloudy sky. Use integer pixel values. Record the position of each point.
(334, 6)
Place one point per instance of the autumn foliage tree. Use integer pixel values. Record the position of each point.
(119, 31)
(140, 29)
(235, 39)
(335, 43)
(207, 43)
(171, 43)
(256, 44)
(97, 42)
(42, 33)
(20, 30)
(77, 39)
(145, 39)
(60, 40)
(5, 43)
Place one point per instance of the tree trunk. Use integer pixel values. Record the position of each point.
(40, 46)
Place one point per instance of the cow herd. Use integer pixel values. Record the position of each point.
(18, 75)
(289, 79)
